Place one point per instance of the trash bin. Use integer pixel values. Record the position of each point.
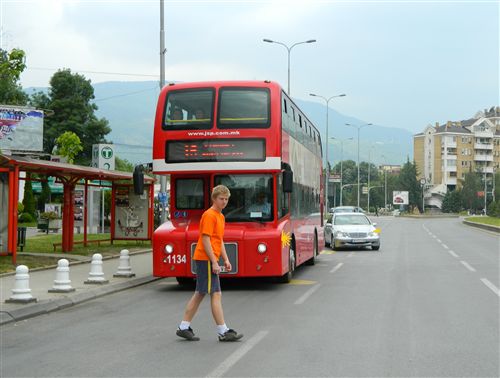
(21, 237)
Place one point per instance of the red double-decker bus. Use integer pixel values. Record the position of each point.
(251, 137)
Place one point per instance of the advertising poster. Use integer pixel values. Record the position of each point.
(400, 198)
(21, 129)
(131, 213)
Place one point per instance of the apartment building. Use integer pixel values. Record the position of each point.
(445, 153)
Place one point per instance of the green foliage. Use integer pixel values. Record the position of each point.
(11, 66)
(70, 97)
(49, 215)
(20, 208)
(44, 196)
(493, 209)
(69, 145)
(123, 165)
(408, 182)
(29, 198)
(452, 202)
(472, 185)
(25, 218)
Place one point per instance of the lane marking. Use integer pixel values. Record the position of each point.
(438, 240)
(452, 253)
(491, 286)
(327, 252)
(467, 266)
(238, 354)
(350, 254)
(302, 282)
(307, 294)
(336, 267)
(445, 246)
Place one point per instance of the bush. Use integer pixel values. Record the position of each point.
(26, 218)
(49, 215)
(493, 209)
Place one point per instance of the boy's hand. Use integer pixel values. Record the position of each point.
(227, 265)
(216, 268)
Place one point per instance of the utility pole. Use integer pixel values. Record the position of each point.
(163, 178)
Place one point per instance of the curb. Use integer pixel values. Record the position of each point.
(47, 306)
(488, 227)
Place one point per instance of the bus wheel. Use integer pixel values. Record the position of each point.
(312, 260)
(287, 277)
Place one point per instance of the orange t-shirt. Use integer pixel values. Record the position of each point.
(211, 224)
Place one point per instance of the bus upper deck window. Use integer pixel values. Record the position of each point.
(244, 108)
(189, 109)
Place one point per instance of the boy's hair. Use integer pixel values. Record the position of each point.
(220, 189)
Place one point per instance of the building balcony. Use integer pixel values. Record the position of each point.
(450, 168)
(483, 157)
(450, 181)
(483, 146)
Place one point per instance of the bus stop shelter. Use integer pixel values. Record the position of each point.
(69, 175)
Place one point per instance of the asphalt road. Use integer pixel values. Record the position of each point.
(426, 304)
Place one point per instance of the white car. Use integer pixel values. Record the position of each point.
(351, 230)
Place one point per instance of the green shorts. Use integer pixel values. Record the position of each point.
(207, 282)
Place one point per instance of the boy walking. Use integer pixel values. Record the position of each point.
(209, 248)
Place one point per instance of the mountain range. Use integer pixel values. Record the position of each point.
(130, 109)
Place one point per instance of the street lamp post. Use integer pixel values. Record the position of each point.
(358, 127)
(288, 49)
(385, 179)
(341, 160)
(327, 100)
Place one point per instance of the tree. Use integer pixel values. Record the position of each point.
(11, 66)
(70, 97)
(123, 165)
(452, 202)
(69, 146)
(472, 185)
(408, 182)
(29, 198)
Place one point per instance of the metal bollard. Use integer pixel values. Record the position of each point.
(21, 293)
(124, 268)
(96, 275)
(62, 283)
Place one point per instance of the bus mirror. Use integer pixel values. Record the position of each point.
(287, 181)
(138, 180)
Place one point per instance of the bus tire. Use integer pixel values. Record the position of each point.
(287, 277)
(312, 260)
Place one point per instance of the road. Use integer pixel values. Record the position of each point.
(426, 304)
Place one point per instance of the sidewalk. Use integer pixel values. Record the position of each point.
(42, 280)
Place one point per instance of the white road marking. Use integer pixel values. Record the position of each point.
(350, 254)
(336, 267)
(307, 294)
(238, 354)
(467, 266)
(438, 240)
(445, 246)
(452, 253)
(491, 286)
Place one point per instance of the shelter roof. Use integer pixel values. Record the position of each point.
(58, 169)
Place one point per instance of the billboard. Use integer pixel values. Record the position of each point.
(21, 128)
(400, 198)
(131, 213)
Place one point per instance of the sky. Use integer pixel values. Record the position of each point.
(403, 64)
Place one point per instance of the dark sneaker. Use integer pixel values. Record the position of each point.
(187, 334)
(230, 335)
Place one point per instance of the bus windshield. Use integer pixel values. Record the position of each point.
(251, 197)
(189, 109)
(244, 108)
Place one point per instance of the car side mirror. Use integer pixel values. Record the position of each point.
(374, 224)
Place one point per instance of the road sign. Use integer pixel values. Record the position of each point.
(103, 156)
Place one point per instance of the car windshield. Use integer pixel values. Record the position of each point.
(251, 197)
(344, 209)
(351, 219)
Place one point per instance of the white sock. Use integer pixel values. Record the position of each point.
(221, 329)
(184, 325)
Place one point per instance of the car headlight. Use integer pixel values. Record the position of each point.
(261, 248)
(169, 248)
(340, 234)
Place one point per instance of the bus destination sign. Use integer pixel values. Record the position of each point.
(250, 149)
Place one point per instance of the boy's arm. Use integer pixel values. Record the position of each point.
(205, 240)
(227, 263)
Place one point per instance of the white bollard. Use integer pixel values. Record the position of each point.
(62, 283)
(96, 275)
(21, 293)
(124, 268)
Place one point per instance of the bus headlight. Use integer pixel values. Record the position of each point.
(169, 248)
(261, 248)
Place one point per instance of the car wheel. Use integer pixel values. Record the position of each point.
(287, 277)
(312, 260)
(375, 247)
(332, 242)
